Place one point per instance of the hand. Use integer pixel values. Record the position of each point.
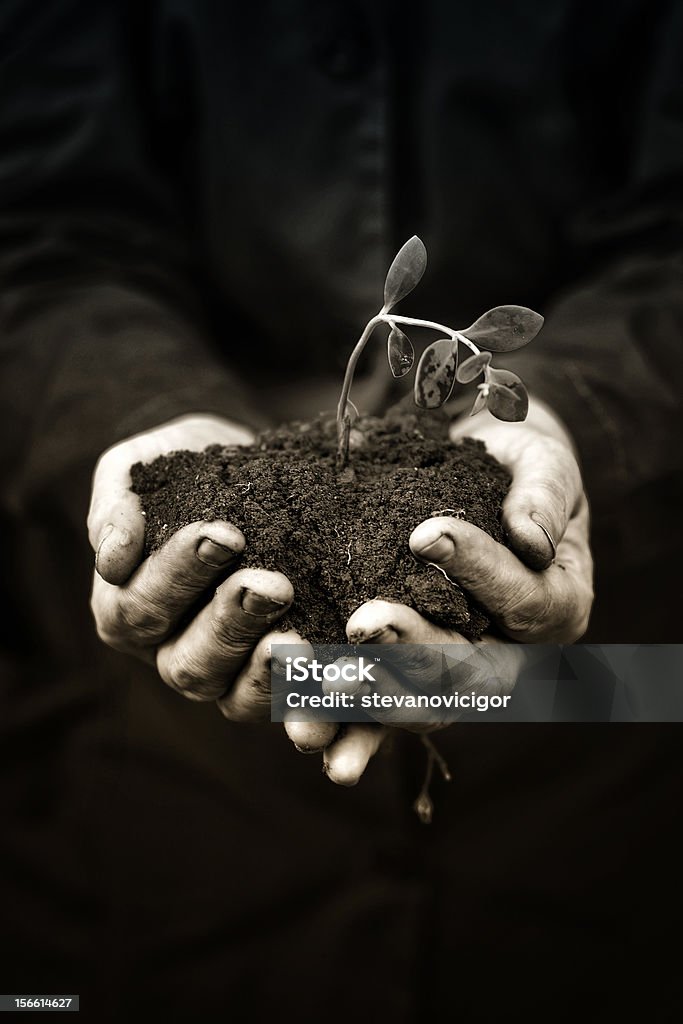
(208, 642)
(488, 667)
(540, 592)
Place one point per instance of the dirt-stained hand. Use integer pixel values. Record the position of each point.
(186, 608)
(541, 591)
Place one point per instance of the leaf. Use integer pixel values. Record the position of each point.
(507, 398)
(400, 352)
(507, 377)
(505, 328)
(435, 374)
(479, 403)
(470, 369)
(405, 272)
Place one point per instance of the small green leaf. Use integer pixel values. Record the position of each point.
(405, 272)
(479, 403)
(435, 375)
(400, 352)
(505, 328)
(470, 369)
(507, 397)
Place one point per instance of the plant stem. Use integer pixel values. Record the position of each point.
(440, 760)
(343, 420)
(432, 325)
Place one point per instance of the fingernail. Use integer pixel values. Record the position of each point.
(105, 535)
(113, 536)
(535, 518)
(440, 550)
(257, 604)
(213, 554)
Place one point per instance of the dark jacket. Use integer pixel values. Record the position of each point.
(198, 205)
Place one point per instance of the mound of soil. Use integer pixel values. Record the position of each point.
(341, 539)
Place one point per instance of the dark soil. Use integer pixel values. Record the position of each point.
(340, 541)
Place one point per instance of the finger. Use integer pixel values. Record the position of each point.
(550, 606)
(203, 661)
(487, 663)
(387, 622)
(421, 662)
(145, 610)
(306, 727)
(347, 757)
(546, 481)
(387, 687)
(544, 494)
(309, 737)
(249, 698)
(116, 525)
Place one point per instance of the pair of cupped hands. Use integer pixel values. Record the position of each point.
(208, 625)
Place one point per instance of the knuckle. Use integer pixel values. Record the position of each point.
(105, 620)
(189, 678)
(141, 617)
(259, 689)
(109, 637)
(528, 613)
(228, 633)
(176, 673)
(564, 620)
(239, 708)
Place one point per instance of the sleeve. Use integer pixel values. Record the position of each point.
(102, 332)
(610, 357)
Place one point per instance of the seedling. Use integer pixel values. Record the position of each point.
(502, 329)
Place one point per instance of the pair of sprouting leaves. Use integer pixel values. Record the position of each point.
(502, 329)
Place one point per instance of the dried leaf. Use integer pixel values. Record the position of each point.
(405, 272)
(470, 369)
(479, 403)
(507, 398)
(435, 374)
(505, 328)
(400, 352)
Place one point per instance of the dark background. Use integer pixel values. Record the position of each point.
(199, 202)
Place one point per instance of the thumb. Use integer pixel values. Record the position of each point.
(116, 526)
(543, 497)
(546, 487)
